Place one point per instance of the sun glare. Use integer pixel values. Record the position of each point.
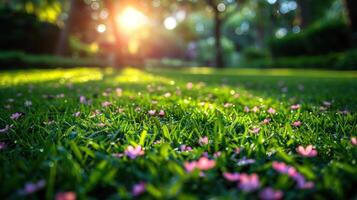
(131, 19)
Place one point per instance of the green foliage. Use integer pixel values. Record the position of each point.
(24, 32)
(320, 38)
(337, 61)
(76, 153)
(16, 59)
(206, 51)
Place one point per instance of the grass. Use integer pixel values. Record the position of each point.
(76, 153)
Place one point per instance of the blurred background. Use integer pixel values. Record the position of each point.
(179, 33)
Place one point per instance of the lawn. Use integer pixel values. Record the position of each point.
(193, 133)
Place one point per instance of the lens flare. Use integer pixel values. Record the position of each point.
(131, 19)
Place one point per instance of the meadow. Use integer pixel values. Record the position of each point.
(194, 133)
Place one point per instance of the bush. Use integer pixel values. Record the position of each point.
(320, 38)
(14, 60)
(337, 61)
(24, 32)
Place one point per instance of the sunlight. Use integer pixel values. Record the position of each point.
(131, 19)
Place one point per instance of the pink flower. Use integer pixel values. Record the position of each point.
(138, 189)
(248, 183)
(217, 154)
(271, 111)
(189, 85)
(237, 150)
(77, 114)
(162, 113)
(231, 176)
(190, 166)
(246, 109)
(32, 187)
(297, 123)
(270, 194)
(106, 104)
(66, 196)
(255, 130)
(309, 151)
(119, 92)
(354, 141)
(2, 145)
(7, 127)
(183, 147)
(205, 164)
(255, 109)
(327, 103)
(132, 152)
(203, 140)
(202, 164)
(295, 106)
(266, 121)
(283, 168)
(227, 105)
(152, 112)
(82, 99)
(16, 116)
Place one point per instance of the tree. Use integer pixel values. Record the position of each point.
(351, 7)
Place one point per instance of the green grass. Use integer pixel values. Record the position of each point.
(75, 153)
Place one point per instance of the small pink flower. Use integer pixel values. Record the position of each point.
(246, 109)
(266, 121)
(152, 112)
(233, 177)
(248, 183)
(183, 147)
(7, 127)
(270, 194)
(205, 164)
(255, 130)
(203, 140)
(295, 107)
(255, 109)
(132, 152)
(327, 103)
(227, 105)
(32, 187)
(217, 154)
(190, 166)
(271, 111)
(119, 92)
(2, 145)
(82, 99)
(138, 189)
(77, 114)
(283, 168)
(189, 85)
(297, 123)
(162, 113)
(106, 104)
(66, 196)
(16, 116)
(354, 141)
(309, 151)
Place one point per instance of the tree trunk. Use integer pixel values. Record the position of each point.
(218, 36)
(63, 41)
(117, 50)
(351, 7)
(305, 13)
